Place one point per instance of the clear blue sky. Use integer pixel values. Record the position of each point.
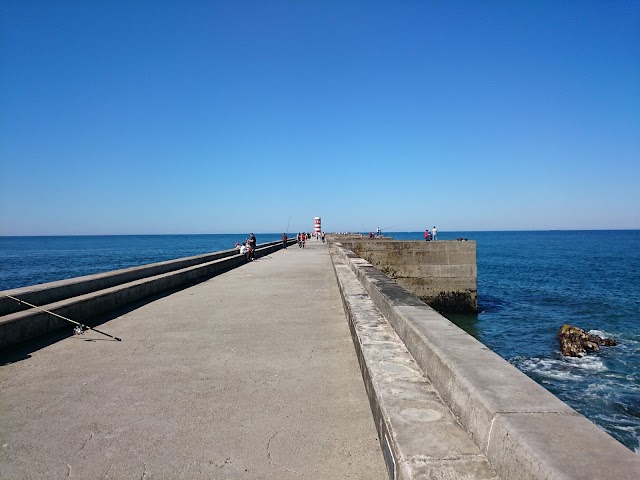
(122, 117)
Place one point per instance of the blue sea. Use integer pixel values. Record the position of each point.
(529, 284)
(32, 260)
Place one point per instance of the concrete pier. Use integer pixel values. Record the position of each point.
(443, 274)
(251, 374)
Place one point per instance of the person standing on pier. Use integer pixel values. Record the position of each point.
(284, 240)
(253, 243)
(434, 233)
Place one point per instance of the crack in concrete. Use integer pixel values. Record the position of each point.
(271, 462)
(269, 446)
(84, 444)
(493, 420)
(227, 360)
(108, 470)
(144, 472)
(233, 353)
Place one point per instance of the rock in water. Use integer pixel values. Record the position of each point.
(575, 342)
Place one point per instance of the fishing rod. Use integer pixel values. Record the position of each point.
(287, 230)
(80, 328)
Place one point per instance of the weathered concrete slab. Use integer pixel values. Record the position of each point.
(251, 374)
(524, 431)
(443, 274)
(424, 438)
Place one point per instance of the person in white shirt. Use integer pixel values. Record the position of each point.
(434, 233)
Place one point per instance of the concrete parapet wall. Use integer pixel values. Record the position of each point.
(443, 273)
(111, 292)
(51, 292)
(419, 435)
(523, 430)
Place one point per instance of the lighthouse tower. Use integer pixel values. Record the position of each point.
(317, 227)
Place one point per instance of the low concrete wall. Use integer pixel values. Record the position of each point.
(51, 292)
(24, 325)
(419, 435)
(443, 273)
(524, 431)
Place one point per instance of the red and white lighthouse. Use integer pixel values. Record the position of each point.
(317, 226)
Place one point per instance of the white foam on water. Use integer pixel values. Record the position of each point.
(564, 369)
(629, 429)
(598, 389)
(547, 368)
(600, 333)
(588, 362)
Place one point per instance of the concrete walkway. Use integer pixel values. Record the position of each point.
(251, 374)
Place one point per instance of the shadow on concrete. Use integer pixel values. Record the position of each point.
(23, 351)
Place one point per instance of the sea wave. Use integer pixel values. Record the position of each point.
(569, 368)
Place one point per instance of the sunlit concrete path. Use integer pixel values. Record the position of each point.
(251, 374)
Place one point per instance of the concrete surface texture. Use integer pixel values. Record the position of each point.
(422, 436)
(443, 273)
(251, 374)
(85, 298)
(523, 430)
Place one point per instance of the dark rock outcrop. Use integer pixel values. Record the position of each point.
(575, 342)
(452, 302)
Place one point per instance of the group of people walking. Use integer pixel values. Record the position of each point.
(248, 247)
(302, 238)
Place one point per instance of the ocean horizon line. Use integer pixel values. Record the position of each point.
(440, 231)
